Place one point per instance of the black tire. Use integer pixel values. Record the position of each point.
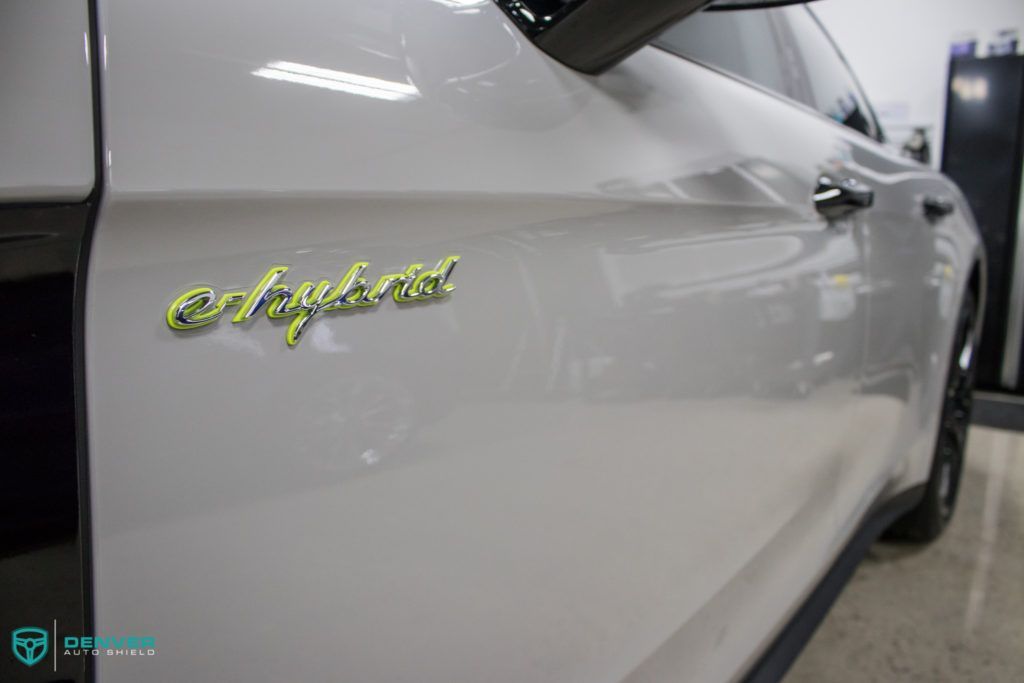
(926, 521)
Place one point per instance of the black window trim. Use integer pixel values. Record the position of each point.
(853, 76)
(803, 106)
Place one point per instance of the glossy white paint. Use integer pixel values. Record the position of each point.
(46, 127)
(623, 449)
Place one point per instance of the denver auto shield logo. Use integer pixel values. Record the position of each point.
(30, 644)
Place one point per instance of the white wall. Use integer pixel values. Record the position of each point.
(899, 50)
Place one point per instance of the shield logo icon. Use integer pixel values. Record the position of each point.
(30, 644)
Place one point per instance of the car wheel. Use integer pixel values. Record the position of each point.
(926, 521)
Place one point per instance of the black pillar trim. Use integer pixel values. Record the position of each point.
(44, 565)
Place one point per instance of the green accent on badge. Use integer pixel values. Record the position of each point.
(201, 306)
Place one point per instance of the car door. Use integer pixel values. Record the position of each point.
(909, 276)
(611, 451)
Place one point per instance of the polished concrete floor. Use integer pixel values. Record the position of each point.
(950, 611)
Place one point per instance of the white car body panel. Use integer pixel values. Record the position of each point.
(626, 446)
(46, 122)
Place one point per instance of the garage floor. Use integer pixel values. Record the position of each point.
(951, 611)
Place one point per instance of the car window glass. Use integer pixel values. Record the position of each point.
(831, 87)
(743, 43)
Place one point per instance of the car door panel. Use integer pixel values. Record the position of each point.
(616, 442)
(909, 282)
(913, 266)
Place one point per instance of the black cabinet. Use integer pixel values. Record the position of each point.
(981, 151)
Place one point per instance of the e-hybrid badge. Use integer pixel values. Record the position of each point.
(201, 306)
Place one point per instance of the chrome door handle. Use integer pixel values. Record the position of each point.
(936, 206)
(836, 198)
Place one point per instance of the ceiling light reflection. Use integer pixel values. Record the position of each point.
(330, 79)
(461, 3)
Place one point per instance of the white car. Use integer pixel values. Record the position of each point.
(458, 340)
